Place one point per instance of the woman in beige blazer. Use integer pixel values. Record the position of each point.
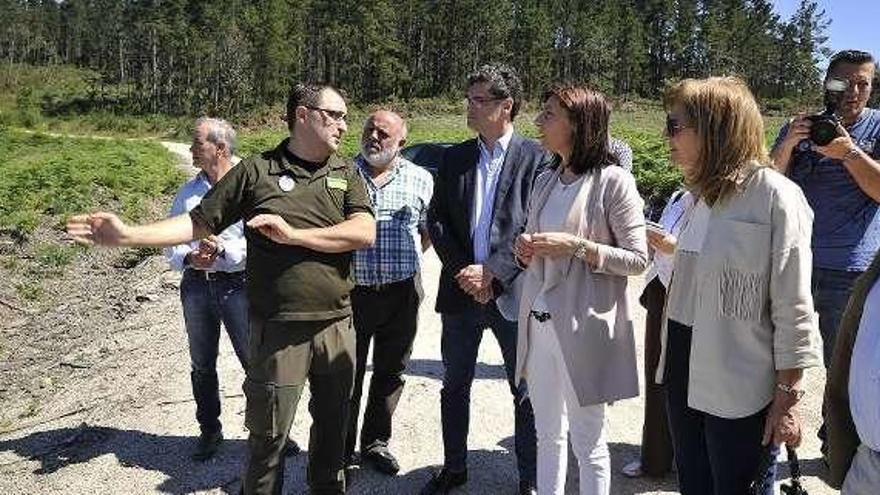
(585, 233)
(740, 325)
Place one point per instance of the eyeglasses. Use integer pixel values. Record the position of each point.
(482, 100)
(674, 126)
(334, 115)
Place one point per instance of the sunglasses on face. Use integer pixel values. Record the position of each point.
(674, 126)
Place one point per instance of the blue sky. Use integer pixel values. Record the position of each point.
(854, 23)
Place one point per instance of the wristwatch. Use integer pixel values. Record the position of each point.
(580, 252)
(796, 393)
(850, 154)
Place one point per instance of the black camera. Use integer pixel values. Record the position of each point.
(824, 125)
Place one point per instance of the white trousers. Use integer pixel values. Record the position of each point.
(557, 413)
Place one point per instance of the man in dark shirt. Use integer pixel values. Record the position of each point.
(305, 212)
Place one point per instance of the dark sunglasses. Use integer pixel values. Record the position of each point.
(673, 126)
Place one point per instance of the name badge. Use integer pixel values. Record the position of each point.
(286, 183)
(337, 183)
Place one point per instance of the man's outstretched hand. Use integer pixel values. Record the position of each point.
(101, 228)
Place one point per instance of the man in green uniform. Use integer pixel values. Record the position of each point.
(305, 212)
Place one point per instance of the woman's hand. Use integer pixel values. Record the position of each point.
(523, 249)
(783, 423)
(554, 244)
(662, 243)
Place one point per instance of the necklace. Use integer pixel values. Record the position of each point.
(572, 180)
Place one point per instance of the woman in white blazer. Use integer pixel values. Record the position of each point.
(740, 326)
(584, 235)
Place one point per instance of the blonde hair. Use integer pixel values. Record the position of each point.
(726, 118)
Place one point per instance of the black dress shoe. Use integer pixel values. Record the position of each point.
(382, 459)
(207, 446)
(291, 448)
(526, 488)
(444, 481)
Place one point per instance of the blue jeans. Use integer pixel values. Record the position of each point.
(459, 343)
(205, 304)
(831, 291)
(713, 455)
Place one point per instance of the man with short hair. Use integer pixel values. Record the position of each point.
(841, 181)
(305, 212)
(479, 207)
(385, 300)
(212, 286)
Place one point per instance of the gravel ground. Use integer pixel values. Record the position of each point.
(138, 430)
(117, 416)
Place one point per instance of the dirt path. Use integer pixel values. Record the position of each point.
(110, 379)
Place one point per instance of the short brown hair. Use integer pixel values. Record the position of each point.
(588, 112)
(503, 82)
(307, 95)
(726, 118)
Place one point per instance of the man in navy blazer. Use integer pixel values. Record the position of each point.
(481, 194)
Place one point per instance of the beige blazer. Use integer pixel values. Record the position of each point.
(588, 305)
(752, 305)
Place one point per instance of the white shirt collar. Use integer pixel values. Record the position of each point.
(503, 142)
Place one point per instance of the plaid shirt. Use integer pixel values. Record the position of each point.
(401, 206)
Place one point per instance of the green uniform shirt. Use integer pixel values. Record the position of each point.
(289, 282)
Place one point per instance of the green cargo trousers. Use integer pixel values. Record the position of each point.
(283, 355)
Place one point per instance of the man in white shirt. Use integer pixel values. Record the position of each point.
(212, 289)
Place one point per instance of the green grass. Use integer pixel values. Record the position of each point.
(54, 256)
(29, 290)
(44, 176)
(56, 99)
(68, 100)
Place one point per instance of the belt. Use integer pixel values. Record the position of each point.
(541, 316)
(384, 287)
(204, 274)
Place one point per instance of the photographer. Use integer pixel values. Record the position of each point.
(841, 181)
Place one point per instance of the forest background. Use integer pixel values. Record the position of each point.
(146, 68)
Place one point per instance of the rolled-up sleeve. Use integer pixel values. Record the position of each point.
(796, 340)
(234, 249)
(624, 208)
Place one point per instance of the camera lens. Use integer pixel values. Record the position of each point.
(823, 131)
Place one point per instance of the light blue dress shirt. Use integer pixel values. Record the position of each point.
(234, 243)
(488, 170)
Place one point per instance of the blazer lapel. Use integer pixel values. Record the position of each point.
(539, 198)
(576, 221)
(469, 179)
(508, 172)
